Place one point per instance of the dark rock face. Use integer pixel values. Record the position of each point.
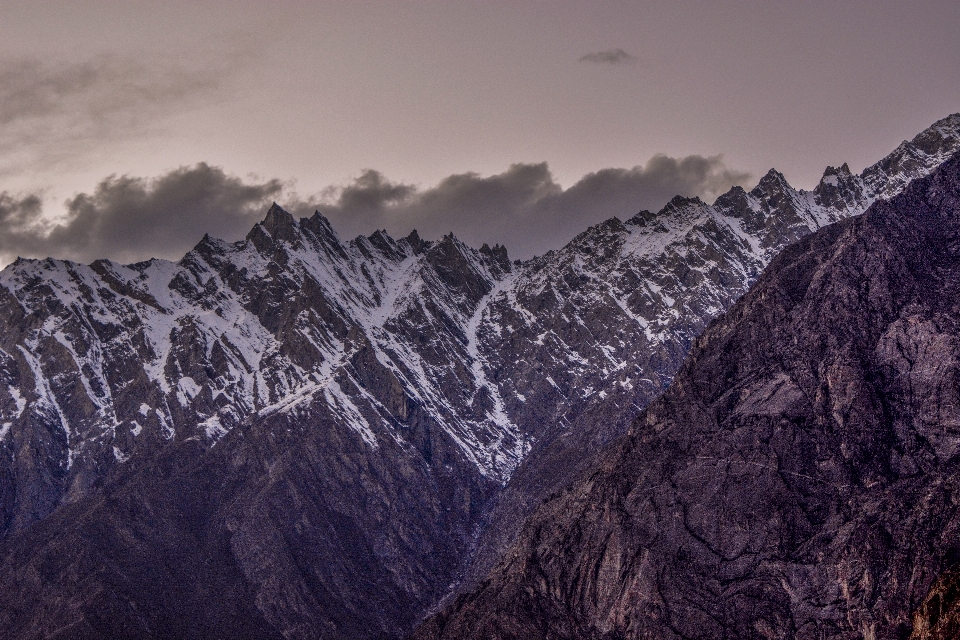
(290, 527)
(275, 402)
(798, 480)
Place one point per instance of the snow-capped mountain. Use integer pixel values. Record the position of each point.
(423, 373)
(112, 358)
(617, 307)
(605, 322)
(797, 480)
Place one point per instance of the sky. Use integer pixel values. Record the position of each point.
(129, 129)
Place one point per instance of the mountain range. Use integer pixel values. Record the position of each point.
(301, 437)
(799, 478)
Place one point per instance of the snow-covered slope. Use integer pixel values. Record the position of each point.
(112, 358)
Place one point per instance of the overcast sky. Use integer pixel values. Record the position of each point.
(128, 129)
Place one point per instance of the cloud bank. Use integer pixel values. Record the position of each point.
(523, 207)
(611, 56)
(133, 218)
(129, 219)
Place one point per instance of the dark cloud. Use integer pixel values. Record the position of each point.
(129, 218)
(611, 56)
(21, 223)
(51, 110)
(371, 192)
(523, 207)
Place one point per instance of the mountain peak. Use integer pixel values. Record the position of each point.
(837, 188)
(385, 244)
(939, 138)
(416, 243)
(946, 126)
(497, 257)
(842, 170)
(681, 207)
(832, 176)
(319, 224)
(457, 266)
(734, 200)
(642, 218)
(610, 226)
(773, 177)
(772, 186)
(279, 223)
(681, 201)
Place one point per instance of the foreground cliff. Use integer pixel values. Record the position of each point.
(798, 480)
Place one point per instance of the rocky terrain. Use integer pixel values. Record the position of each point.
(799, 479)
(335, 429)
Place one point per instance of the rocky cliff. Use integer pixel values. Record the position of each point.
(799, 479)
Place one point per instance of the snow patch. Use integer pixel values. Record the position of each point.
(187, 390)
(213, 428)
(20, 401)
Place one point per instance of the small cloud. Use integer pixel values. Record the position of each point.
(611, 56)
